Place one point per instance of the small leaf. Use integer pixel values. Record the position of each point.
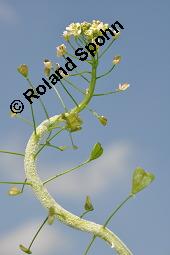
(96, 152)
(14, 191)
(141, 179)
(88, 204)
(24, 249)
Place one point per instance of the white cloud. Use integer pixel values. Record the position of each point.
(97, 176)
(48, 239)
(7, 13)
(110, 169)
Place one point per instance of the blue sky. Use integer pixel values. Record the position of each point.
(137, 133)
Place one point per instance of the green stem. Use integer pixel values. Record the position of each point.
(24, 120)
(60, 98)
(84, 213)
(71, 45)
(115, 211)
(66, 172)
(25, 183)
(93, 112)
(106, 223)
(53, 146)
(68, 93)
(78, 44)
(106, 72)
(75, 87)
(83, 77)
(107, 93)
(78, 71)
(23, 186)
(89, 245)
(41, 102)
(57, 133)
(72, 142)
(88, 97)
(109, 45)
(37, 233)
(13, 153)
(82, 40)
(72, 56)
(76, 74)
(33, 118)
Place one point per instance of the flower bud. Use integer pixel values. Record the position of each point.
(116, 60)
(47, 63)
(61, 50)
(14, 191)
(47, 67)
(23, 69)
(102, 120)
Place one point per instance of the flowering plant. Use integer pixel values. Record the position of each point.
(79, 34)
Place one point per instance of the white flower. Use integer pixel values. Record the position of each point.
(66, 35)
(116, 36)
(47, 64)
(74, 29)
(116, 60)
(123, 87)
(61, 50)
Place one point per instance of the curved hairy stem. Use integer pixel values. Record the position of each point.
(42, 193)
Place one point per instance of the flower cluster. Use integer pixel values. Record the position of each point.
(85, 29)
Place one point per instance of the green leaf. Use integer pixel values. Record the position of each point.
(24, 249)
(141, 179)
(96, 152)
(88, 204)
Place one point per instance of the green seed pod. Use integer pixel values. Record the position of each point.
(88, 204)
(24, 249)
(102, 119)
(96, 152)
(23, 70)
(141, 180)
